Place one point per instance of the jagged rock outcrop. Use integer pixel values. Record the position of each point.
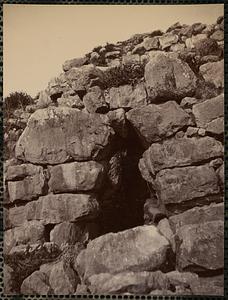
(115, 179)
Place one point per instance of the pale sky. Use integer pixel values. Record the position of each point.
(37, 39)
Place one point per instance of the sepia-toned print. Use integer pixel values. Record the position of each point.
(113, 150)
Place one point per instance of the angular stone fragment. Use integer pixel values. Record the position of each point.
(74, 63)
(55, 134)
(192, 41)
(29, 232)
(76, 176)
(81, 79)
(198, 215)
(57, 86)
(209, 114)
(151, 43)
(154, 122)
(36, 284)
(166, 40)
(177, 152)
(94, 101)
(63, 280)
(186, 183)
(221, 175)
(54, 209)
(70, 233)
(118, 121)
(165, 229)
(207, 46)
(123, 251)
(213, 72)
(168, 78)
(127, 96)
(218, 35)
(28, 188)
(71, 101)
(197, 240)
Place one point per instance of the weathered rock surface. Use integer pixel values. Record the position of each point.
(179, 152)
(186, 183)
(167, 40)
(70, 233)
(30, 187)
(29, 232)
(198, 239)
(36, 284)
(213, 72)
(118, 252)
(74, 63)
(198, 215)
(168, 78)
(210, 114)
(131, 282)
(94, 101)
(14, 216)
(81, 136)
(54, 209)
(154, 122)
(63, 280)
(76, 176)
(127, 96)
(118, 121)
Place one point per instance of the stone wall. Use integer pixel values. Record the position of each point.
(116, 183)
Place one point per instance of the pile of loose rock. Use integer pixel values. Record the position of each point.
(151, 105)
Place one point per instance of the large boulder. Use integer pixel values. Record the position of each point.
(196, 240)
(123, 251)
(176, 152)
(54, 209)
(186, 183)
(54, 135)
(154, 122)
(210, 114)
(76, 176)
(213, 72)
(168, 78)
(29, 182)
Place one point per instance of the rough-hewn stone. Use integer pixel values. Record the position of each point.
(76, 176)
(29, 232)
(94, 101)
(56, 134)
(74, 63)
(123, 251)
(54, 209)
(36, 284)
(186, 183)
(213, 72)
(154, 122)
(209, 114)
(197, 240)
(168, 78)
(180, 152)
(127, 96)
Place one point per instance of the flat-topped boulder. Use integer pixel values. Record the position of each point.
(56, 134)
(138, 249)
